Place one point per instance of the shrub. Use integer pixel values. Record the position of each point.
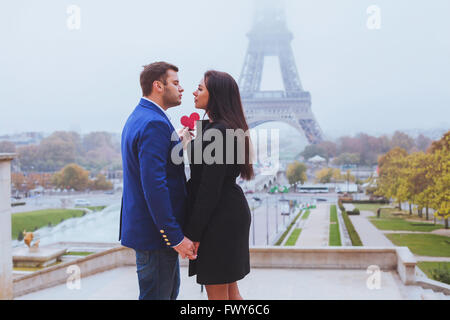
(367, 201)
(354, 212)
(441, 274)
(354, 237)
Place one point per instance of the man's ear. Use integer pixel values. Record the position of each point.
(157, 86)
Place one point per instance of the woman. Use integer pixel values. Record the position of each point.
(219, 217)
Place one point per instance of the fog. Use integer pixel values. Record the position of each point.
(361, 80)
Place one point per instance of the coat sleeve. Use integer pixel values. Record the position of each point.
(154, 152)
(208, 196)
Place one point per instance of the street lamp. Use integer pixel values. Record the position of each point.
(284, 212)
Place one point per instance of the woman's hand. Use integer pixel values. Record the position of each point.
(185, 136)
(196, 245)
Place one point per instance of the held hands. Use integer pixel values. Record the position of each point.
(186, 249)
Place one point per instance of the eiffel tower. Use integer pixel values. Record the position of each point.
(270, 36)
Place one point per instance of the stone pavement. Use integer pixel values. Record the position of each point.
(267, 284)
(315, 230)
(371, 236)
(368, 233)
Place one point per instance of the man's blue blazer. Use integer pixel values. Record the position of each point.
(154, 186)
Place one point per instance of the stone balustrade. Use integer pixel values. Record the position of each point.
(394, 259)
(6, 284)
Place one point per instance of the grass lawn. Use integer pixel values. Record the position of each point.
(32, 220)
(403, 225)
(306, 214)
(432, 245)
(285, 233)
(334, 236)
(97, 208)
(78, 253)
(394, 219)
(293, 237)
(388, 213)
(33, 269)
(439, 271)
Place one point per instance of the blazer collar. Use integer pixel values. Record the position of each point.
(150, 105)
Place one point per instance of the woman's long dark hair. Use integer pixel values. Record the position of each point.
(225, 105)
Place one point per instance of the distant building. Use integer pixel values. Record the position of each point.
(317, 160)
(24, 138)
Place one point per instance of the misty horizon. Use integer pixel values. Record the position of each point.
(374, 81)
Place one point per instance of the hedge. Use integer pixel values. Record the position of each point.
(366, 201)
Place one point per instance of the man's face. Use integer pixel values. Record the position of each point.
(172, 90)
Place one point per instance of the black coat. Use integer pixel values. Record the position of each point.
(218, 216)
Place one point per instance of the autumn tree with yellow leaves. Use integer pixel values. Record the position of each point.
(419, 178)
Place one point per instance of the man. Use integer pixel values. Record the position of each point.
(154, 193)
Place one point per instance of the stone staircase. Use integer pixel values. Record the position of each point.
(418, 292)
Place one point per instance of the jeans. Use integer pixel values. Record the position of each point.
(158, 274)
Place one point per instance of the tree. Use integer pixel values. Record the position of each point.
(72, 176)
(100, 183)
(27, 157)
(296, 172)
(390, 174)
(7, 147)
(422, 142)
(347, 158)
(313, 150)
(337, 176)
(402, 140)
(439, 173)
(349, 177)
(324, 175)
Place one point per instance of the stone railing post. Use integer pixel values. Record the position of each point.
(6, 279)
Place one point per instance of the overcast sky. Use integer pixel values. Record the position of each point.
(87, 79)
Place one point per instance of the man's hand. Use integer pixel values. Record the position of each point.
(185, 136)
(186, 249)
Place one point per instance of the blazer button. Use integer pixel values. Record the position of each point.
(164, 236)
(168, 243)
(166, 240)
(162, 231)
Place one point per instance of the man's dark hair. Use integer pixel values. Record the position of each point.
(154, 72)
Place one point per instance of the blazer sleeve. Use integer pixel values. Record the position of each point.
(208, 196)
(154, 152)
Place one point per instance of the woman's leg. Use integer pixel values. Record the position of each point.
(217, 291)
(233, 292)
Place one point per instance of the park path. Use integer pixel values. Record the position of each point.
(315, 230)
(373, 237)
(368, 233)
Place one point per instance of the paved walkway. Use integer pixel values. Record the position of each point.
(440, 232)
(315, 231)
(261, 283)
(368, 233)
(433, 259)
(371, 236)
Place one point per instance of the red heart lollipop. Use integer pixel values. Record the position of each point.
(190, 121)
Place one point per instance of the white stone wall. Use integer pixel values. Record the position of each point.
(6, 286)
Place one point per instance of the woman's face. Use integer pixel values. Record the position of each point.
(201, 96)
